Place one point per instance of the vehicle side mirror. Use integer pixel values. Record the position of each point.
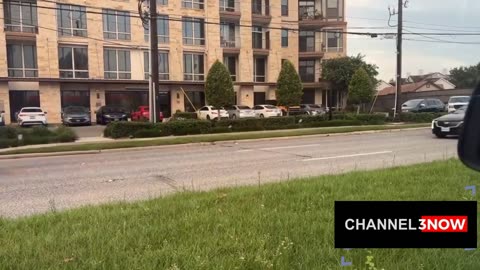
(422, 105)
(469, 142)
(45, 112)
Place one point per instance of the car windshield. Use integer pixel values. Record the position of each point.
(217, 108)
(75, 110)
(32, 110)
(460, 100)
(412, 103)
(114, 110)
(243, 107)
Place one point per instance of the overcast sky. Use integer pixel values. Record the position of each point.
(460, 16)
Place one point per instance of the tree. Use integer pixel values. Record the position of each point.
(289, 87)
(466, 77)
(341, 70)
(360, 89)
(219, 87)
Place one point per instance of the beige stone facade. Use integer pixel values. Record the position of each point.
(51, 90)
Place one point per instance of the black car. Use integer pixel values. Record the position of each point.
(76, 115)
(423, 105)
(107, 114)
(450, 124)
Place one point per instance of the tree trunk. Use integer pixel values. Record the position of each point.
(219, 115)
(288, 111)
(358, 109)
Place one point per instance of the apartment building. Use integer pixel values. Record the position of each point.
(59, 53)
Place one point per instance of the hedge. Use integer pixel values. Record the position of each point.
(184, 115)
(192, 127)
(36, 135)
(419, 117)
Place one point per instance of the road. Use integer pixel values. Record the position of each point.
(37, 185)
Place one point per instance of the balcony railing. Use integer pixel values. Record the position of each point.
(229, 6)
(307, 77)
(21, 28)
(229, 43)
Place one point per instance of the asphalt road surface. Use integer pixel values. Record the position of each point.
(36, 185)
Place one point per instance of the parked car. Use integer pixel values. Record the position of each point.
(266, 111)
(76, 115)
(2, 118)
(107, 114)
(450, 124)
(211, 113)
(312, 109)
(29, 116)
(142, 113)
(240, 111)
(423, 105)
(456, 102)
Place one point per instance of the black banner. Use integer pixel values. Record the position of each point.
(392, 224)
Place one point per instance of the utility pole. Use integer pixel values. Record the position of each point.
(398, 108)
(154, 85)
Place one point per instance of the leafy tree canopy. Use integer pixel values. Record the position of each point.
(219, 90)
(289, 86)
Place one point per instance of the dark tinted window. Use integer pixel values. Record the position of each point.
(75, 110)
(32, 110)
(114, 110)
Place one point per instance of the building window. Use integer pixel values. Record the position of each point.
(257, 37)
(197, 4)
(73, 62)
(227, 5)
(193, 67)
(117, 64)
(193, 31)
(259, 69)
(284, 38)
(307, 41)
(163, 66)
(22, 60)
(260, 8)
(162, 2)
(21, 16)
(307, 10)
(284, 7)
(116, 24)
(162, 29)
(228, 35)
(72, 20)
(307, 70)
(231, 63)
(334, 39)
(332, 9)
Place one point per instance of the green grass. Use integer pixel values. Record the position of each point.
(203, 139)
(277, 226)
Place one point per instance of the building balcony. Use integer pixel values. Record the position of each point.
(311, 52)
(230, 10)
(230, 46)
(309, 17)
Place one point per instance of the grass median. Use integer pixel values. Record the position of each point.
(203, 139)
(286, 225)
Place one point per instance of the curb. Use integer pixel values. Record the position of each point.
(133, 149)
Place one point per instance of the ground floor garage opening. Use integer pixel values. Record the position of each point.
(130, 100)
(308, 96)
(75, 98)
(194, 100)
(20, 99)
(259, 98)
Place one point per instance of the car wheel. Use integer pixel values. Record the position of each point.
(262, 116)
(234, 117)
(208, 117)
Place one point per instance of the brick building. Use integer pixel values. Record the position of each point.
(58, 53)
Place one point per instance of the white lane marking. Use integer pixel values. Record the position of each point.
(347, 156)
(245, 151)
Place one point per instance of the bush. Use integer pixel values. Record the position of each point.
(333, 123)
(8, 132)
(148, 133)
(184, 115)
(187, 127)
(41, 131)
(125, 129)
(278, 122)
(65, 134)
(239, 125)
(419, 117)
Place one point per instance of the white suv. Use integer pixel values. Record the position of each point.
(32, 116)
(454, 103)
